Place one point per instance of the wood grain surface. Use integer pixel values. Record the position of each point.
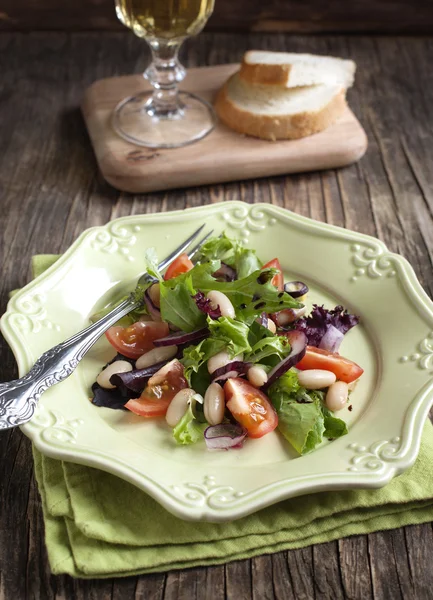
(221, 156)
(50, 191)
(392, 16)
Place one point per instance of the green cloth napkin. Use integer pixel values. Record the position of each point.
(97, 525)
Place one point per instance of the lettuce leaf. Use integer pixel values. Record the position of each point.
(219, 248)
(274, 345)
(196, 356)
(151, 263)
(302, 425)
(246, 262)
(302, 417)
(334, 427)
(233, 334)
(189, 430)
(232, 253)
(178, 306)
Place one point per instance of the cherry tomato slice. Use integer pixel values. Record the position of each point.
(344, 369)
(181, 264)
(156, 398)
(250, 407)
(278, 279)
(138, 338)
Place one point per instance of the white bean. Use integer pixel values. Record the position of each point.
(219, 299)
(221, 360)
(214, 404)
(336, 396)
(155, 356)
(119, 366)
(178, 406)
(271, 326)
(289, 315)
(316, 379)
(155, 294)
(257, 376)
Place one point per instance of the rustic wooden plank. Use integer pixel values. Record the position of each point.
(327, 574)
(301, 568)
(419, 546)
(354, 567)
(50, 191)
(279, 15)
(238, 580)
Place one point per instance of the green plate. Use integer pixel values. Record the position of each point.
(394, 345)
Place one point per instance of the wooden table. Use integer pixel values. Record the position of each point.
(50, 191)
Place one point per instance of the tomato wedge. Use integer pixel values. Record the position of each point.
(156, 398)
(138, 338)
(344, 369)
(181, 264)
(278, 279)
(250, 407)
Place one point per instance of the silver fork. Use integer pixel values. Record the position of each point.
(18, 398)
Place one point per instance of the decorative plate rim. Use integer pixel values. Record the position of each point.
(206, 499)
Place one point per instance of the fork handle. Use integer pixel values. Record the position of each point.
(18, 398)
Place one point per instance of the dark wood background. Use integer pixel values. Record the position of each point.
(391, 16)
(50, 191)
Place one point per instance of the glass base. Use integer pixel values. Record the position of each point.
(135, 121)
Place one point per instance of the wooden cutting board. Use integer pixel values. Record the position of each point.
(223, 155)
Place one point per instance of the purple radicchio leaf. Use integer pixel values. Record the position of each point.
(204, 304)
(317, 324)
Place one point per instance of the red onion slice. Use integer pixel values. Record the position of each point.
(332, 339)
(233, 369)
(298, 343)
(154, 311)
(136, 380)
(180, 337)
(224, 436)
(225, 273)
(296, 289)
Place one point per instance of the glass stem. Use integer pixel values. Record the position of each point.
(164, 73)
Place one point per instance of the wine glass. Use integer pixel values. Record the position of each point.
(164, 117)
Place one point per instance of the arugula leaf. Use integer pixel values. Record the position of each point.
(250, 295)
(195, 356)
(232, 333)
(151, 263)
(178, 306)
(189, 430)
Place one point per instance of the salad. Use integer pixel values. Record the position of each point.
(223, 350)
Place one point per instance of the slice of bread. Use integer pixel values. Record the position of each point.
(275, 113)
(293, 70)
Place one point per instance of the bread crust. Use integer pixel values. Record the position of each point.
(265, 74)
(278, 127)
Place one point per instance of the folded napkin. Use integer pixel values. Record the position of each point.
(97, 525)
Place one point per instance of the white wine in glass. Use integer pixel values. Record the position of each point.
(166, 117)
